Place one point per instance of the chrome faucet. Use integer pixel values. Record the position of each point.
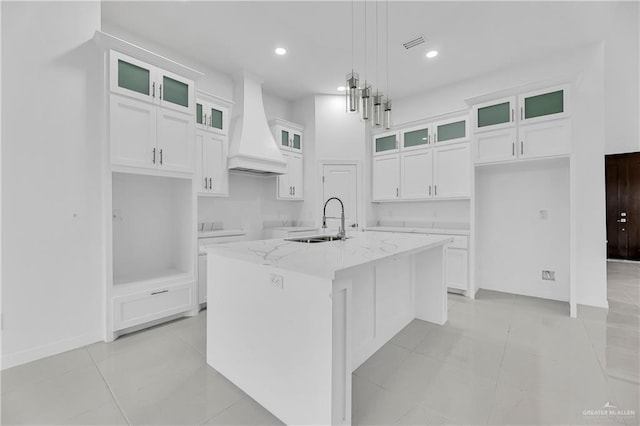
(341, 231)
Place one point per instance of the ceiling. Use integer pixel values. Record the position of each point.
(472, 38)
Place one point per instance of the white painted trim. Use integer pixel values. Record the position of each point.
(360, 202)
(213, 98)
(23, 357)
(514, 91)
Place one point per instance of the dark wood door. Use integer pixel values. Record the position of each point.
(622, 174)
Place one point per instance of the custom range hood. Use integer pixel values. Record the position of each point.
(253, 148)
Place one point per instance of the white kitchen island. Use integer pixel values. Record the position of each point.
(288, 322)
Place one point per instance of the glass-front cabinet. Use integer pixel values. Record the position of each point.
(212, 113)
(494, 115)
(385, 143)
(542, 105)
(451, 130)
(416, 138)
(288, 135)
(140, 80)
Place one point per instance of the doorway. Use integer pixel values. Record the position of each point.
(622, 176)
(340, 180)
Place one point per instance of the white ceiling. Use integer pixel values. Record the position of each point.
(473, 38)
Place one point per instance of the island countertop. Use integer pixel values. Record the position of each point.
(326, 258)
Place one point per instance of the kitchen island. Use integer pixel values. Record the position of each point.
(289, 321)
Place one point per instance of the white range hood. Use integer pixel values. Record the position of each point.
(253, 148)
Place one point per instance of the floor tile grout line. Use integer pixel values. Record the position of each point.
(113, 395)
(225, 409)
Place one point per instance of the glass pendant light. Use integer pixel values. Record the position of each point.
(387, 114)
(353, 92)
(366, 101)
(377, 109)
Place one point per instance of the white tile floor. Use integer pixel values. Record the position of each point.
(500, 359)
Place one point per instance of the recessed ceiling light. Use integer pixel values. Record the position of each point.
(432, 54)
(341, 88)
(281, 51)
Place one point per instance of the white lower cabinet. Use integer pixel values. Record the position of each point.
(457, 274)
(202, 261)
(544, 139)
(386, 177)
(145, 306)
(213, 175)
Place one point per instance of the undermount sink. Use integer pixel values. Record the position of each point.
(315, 239)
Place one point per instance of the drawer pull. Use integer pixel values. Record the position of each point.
(159, 292)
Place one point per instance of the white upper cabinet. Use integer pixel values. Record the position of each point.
(212, 117)
(542, 129)
(140, 80)
(543, 105)
(386, 143)
(416, 174)
(494, 115)
(290, 185)
(386, 177)
(211, 153)
(452, 171)
(287, 135)
(132, 129)
(174, 141)
(453, 130)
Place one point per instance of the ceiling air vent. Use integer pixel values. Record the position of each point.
(414, 42)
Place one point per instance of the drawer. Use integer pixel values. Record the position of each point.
(139, 308)
(459, 241)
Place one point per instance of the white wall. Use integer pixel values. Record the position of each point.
(517, 244)
(622, 81)
(52, 244)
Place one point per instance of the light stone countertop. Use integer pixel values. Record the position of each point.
(221, 233)
(326, 258)
(418, 230)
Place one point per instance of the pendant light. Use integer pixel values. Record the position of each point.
(377, 97)
(365, 93)
(387, 104)
(352, 92)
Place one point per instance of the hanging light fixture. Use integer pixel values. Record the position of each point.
(352, 94)
(365, 93)
(387, 104)
(377, 97)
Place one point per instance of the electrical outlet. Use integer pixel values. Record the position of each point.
(548, 275)
(277, 280)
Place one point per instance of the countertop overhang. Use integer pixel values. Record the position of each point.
(327, 258)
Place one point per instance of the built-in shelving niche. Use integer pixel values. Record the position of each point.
(152, 228)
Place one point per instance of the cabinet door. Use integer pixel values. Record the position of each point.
(175, 140)
(494, 115)
(385, 143)
(175, 92)
(217, 117)
(457, 269)
(296, 176)
(285, 136)
(296, 141)
(495, 146)
(451, 131)
(285, 189)
(545, 139)
(543, 105)
(416, 138)
(386, 177)
(452, 171)
(131, 77)
(213, 176)
(132, 132)
(202, 186)
(416, 174)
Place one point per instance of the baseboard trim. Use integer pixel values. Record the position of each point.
(33, 354)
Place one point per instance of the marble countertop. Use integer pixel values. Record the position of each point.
(417, 230)
(221, 233)
(325, 259)
(295, 228)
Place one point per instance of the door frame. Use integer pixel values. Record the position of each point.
(361, 216)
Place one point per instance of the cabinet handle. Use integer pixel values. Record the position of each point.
(435, 189)
(512, 119)
(521, 113)
(397, 192)
(161, 92)
(429, 189)
(205, 183)
(159, 292)
(513, 149)
(153, 89)
(435, 138)
(210, 183)
(154, 156)
(161, 156)
(294, 190)
(521, 148)
(205, 120)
